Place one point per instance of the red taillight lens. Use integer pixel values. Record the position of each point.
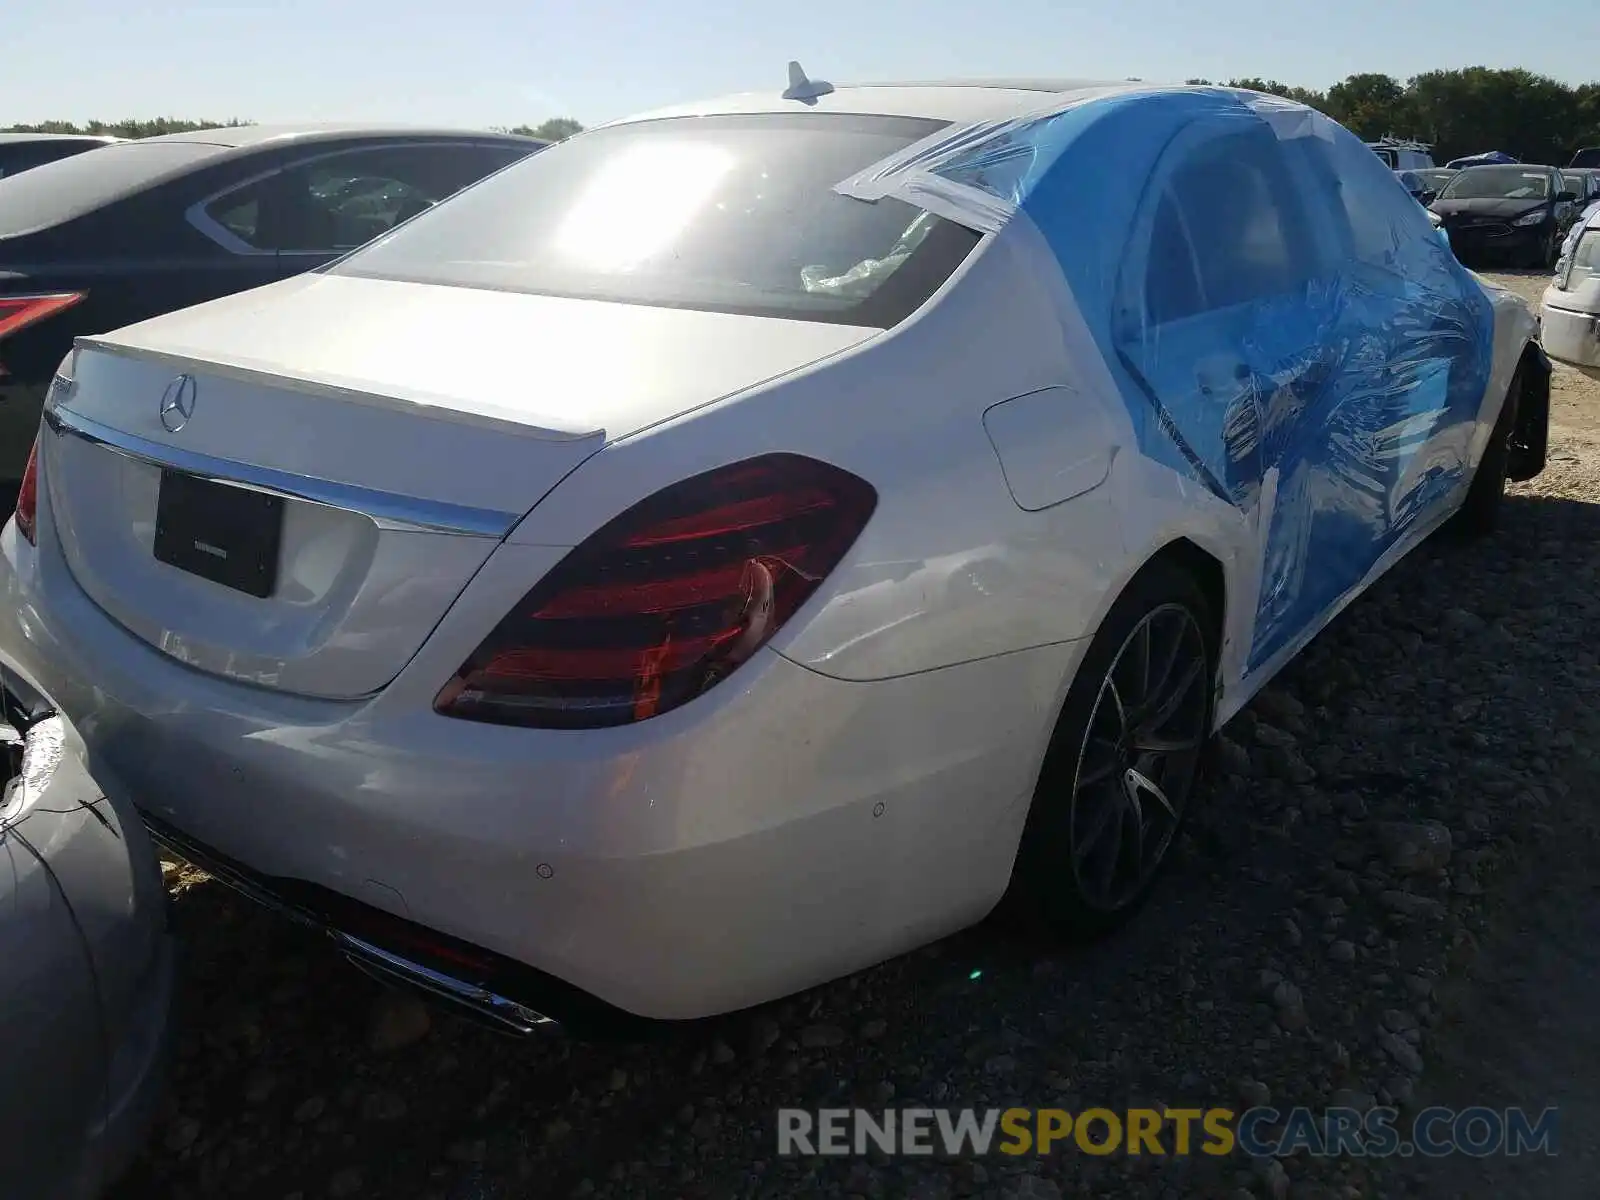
(18, 311)
(666, 599)
(28, 496)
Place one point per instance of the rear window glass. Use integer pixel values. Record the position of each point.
(69, 187)
(724, 213)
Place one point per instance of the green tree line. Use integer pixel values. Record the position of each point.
(1467, 111)
(553, 130)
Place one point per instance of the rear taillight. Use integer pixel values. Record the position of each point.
(18, 312)
(666, 599)
(28, 496)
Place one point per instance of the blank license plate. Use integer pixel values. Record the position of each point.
(229, 535)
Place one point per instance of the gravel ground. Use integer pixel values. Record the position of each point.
(1317, 941)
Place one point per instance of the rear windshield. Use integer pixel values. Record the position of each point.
(725, 213)
(69, 187)
(1498, 183)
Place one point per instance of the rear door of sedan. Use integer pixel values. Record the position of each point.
(1319, 379)
(1217, 319)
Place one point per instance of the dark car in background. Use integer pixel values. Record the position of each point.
(1513, 213)
(1426, 183)
(1585, 182)
(137, 229)
(21, 152)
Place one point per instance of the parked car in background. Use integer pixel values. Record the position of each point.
(1513, 213)
(1434, 178)
(1403, 154)
(401, 593)
(1570, 312)
(20, 152)
(145, 227)
(1582, 182)
(86, 988)
(1424, 185)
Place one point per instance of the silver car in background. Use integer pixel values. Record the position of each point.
(85, 967)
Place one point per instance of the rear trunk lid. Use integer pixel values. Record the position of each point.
(338, 456)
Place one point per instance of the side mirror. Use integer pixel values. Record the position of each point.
(1427, 197)
(1566, 197)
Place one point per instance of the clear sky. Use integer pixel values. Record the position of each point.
(506, 62)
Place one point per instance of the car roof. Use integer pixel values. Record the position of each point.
(69, 188)
(242, 137)
(12, 139)
(952, 101)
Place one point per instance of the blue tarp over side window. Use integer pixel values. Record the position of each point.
(1284, 324)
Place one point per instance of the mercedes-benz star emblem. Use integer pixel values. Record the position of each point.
(177, 403)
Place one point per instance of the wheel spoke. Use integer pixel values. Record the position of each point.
(1089, 776)
(1130, 796)
(1164, 676)
(1135, 843)
(1145, 650)
(1150, 743)
(1104, 819)
(1140, 782)
(1116, 699)
(1107, 876)
(1174, 699)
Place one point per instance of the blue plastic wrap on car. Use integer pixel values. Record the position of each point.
(1283, 323)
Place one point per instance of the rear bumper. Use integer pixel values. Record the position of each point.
(397, 951)
(782, 830)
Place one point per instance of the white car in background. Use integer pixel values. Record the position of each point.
(742, 542)
(1570, 312)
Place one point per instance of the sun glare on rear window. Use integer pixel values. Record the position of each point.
(733, 213)
(638, 202)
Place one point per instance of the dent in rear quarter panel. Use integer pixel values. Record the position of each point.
(949, 569)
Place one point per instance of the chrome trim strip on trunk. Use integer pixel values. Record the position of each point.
(387, 510)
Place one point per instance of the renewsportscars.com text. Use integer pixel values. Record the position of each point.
(1256, 1132)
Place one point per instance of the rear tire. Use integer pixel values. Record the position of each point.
(1479, 514)
(1124, 760)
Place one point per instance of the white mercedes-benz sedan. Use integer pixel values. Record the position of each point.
(748, 540)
